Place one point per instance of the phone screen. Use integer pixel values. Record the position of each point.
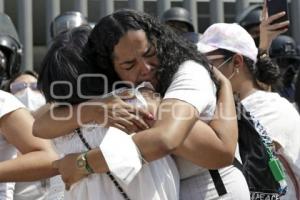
(277, 6)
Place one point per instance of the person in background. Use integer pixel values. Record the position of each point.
(16, 125)
(232, 50)
(256, 21)
(250, 20)
(284, 53)
(10, 50)
(179, 19)
(23, 85)
(66, 21)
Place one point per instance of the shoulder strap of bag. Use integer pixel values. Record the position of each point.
(112, 178)
(218, 182)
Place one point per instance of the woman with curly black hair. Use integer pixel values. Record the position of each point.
(132, 47)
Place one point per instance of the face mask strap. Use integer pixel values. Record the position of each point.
(223, 63)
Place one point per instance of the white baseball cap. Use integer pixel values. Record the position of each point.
(231, 37)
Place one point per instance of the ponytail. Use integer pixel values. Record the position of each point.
(264, 71)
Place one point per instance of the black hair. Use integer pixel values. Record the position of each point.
(15, 76)
(172, 50)
(267, 71)
(264, 70)
(64, 61)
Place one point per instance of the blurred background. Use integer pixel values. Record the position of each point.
(32, 18)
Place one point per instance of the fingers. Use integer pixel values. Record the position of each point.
(272, 18)
(278, 26)
(265, 11)
(55, 164)
(133, 121)
(140, 123)
(140, 111)
(218, 74)
(138, 114)
(125, 124)
(118, 126)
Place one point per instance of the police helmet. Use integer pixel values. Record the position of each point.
(250, 17)
(66, 21)
(10, 47)
(12, 51)
(178, 14)
(284, 47)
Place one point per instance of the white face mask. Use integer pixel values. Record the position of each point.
(223, 63)
(31, 99)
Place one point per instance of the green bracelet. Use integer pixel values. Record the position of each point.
(87, 166)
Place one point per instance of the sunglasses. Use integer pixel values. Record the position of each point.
(16, 87)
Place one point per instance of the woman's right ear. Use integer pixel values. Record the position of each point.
(238, 62)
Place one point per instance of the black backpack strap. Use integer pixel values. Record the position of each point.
(219, 185)
(237, 164)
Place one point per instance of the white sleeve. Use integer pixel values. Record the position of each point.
(121, 155)
(8, 103)
(193, 84)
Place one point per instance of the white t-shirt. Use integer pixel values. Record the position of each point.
(192, 84)
(282, 122)
(8, 103)
(158, 180)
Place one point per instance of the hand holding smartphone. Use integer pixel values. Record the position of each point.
(274, 21)
(277, 6)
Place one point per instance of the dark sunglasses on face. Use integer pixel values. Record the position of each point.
(16, 87)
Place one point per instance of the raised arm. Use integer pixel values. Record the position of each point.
(37, 155)
(268, 30)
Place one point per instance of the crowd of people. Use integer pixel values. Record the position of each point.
(146, 109)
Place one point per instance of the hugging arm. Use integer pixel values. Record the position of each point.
(202, 143)
(111, 111)
(37, 155)
(166, 135)
(219, 139)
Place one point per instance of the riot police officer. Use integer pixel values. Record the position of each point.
(283, 51)
(66, 21)
(250, 20)
(179, 19)
(10, 49)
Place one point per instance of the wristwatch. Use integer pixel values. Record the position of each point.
(82, 163)
(262, 53)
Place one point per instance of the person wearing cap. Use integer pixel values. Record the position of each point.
(179, 19)
(232, 50)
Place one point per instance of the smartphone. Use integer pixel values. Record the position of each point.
(277, 6)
